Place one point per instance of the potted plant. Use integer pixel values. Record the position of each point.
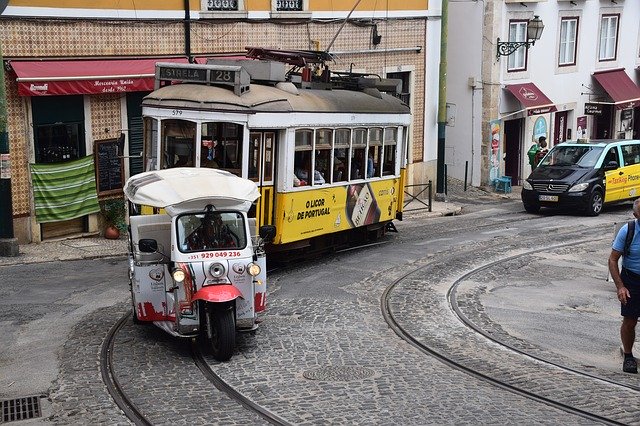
(113, 212)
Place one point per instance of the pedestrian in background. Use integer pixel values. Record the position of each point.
(534, 150)
(627, 284)
(542, 151)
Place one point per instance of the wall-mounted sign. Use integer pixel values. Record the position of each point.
(626, 114)
(593, 109)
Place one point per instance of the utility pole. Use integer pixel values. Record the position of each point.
(442, 102)
(8, 244)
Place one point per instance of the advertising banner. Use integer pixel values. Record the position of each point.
(494, 153)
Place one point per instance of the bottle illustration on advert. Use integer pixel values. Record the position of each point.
(362, 207)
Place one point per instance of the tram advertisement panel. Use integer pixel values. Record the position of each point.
(307, 214)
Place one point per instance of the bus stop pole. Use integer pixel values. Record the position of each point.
(8, 244)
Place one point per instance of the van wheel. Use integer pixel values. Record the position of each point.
(595, 203)
(532, 208)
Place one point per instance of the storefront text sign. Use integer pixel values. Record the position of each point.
(593, 109)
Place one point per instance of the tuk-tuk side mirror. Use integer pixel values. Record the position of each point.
(148, 245)
(267, 232)
(611, 165)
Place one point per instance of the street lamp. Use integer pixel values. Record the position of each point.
(534, 31)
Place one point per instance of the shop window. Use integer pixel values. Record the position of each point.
(221, 146)
(358, 148)
(341, 155)
(178, 143)
(389, 151)
(608, 37)
(302, 157)
(517, 32)
(57, 142)
(374, 156)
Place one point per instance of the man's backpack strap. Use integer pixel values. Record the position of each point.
(631, 230)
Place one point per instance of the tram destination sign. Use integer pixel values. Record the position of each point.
(228, 75)
(178, 73)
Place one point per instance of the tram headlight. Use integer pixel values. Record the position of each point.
(254, 269)
(178, 275)
(217, 270)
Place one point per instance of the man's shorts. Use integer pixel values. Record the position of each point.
(632, 283)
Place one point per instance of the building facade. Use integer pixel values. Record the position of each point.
(77, 70)
(578, 81)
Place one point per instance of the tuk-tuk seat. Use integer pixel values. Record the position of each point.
(157, 227)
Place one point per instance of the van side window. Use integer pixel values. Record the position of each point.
(631, 154)
(612, 155)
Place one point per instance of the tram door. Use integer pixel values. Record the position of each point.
(261, 170)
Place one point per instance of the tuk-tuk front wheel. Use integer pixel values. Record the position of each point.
(221, 331)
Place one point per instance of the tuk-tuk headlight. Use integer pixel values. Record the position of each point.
(178, 275)
(526, 185)
(217, 270)
(254, 269)
(579, 187)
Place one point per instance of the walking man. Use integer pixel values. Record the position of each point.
(627, 284)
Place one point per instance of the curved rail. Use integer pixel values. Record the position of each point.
(451, 296)
(224, 387)
(442, 357)
(111, 380)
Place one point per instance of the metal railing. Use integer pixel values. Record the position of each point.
(411, 196)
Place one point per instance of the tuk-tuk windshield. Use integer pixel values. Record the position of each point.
(571, 155)
(212, 230)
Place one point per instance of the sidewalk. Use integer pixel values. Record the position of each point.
(96, 246)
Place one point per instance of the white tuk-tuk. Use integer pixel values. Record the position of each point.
(197, 268)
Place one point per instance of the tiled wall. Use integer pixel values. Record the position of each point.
(75, 38)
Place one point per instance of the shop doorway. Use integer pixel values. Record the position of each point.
(512, 149)
(58, 124)
(560, 128)
(603, 123)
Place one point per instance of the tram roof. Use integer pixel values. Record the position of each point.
(283, 98)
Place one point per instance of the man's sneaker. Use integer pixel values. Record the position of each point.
(630, 366)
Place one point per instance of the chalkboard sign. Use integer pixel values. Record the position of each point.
(109, 166)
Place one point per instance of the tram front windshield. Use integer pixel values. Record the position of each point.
(211, 230)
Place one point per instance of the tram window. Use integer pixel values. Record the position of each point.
(254, 156)
(150, 143)
(269, 145)
(222, 146)
(341, 155)
(324, 142)
(178, 143)
(302, 157)
(374, 158)
(302, 168)
(358, 147)
(389, 151)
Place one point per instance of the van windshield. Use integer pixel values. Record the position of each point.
(212, 230)
(567, 155)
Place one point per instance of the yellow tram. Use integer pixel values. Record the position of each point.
(327, 150)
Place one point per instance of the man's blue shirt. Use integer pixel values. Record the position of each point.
(632, 260)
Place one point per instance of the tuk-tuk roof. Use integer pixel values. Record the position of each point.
(186, 188)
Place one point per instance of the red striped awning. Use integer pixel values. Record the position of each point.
(531, 98)
(620, 88)
(75, 77)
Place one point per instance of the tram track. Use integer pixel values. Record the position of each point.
(135, 414)
(500, 379)
(223, 386)
(110, 378)
(451, 296)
